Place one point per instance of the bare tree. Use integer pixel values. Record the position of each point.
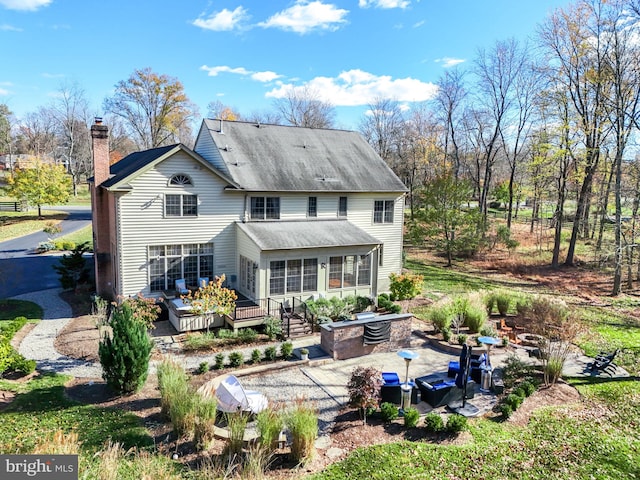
(575, 44)
(303, 107)
(154, 107)
(449, 105)
(36, 134)
(217, 109)
(382, 127)
(70, 110)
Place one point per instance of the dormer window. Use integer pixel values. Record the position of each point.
(180, 180)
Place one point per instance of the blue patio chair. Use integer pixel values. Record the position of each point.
(203, 282)
(181, 286)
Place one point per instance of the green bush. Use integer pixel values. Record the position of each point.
(488, 331)
(514, 369)
(68, 245)
(269, 423)
(440, 317)
(489, 302)
(433, 422)
(9, 329)
(462, 339)
(475, 318)
(125, 354)
(519, 391)
(411, 417)
(203, 368)
(219, 361)
(73, 269)
(405, 286)
(286, 350)
(446, 335)
(528, 388)
(270, 353)
(514, 401)
(226, 334)
(236, 359)
(145, 310)
(457, 423)
(503, 302)
(256, 356)
(385, 303)
(272, 327)
(302, 422)
(389, 412)
(506, 410)
(364, 389)
(247, 335)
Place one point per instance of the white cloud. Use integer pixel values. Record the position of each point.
(383, 3)
(53, 75)
(4, 92)
(448, 62)
(264, 77)
(357, 87)
(9, 28)
(305, 16)
(222, 21)
(31, 5)
(418, 24)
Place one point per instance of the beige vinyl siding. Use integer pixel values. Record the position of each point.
(206, 147)
(142, 220)
(360, 213)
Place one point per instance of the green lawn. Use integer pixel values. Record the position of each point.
(18, 224)
(79, 236)
(10, 309)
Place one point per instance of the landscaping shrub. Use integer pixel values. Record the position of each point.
(528, 388)
(177, 398)
(506, 410)
(362, 303)
(125, 354)
(226, 333)
(514, 401)
(9, 329)
(503, 302)
(457, 423)
(272, 327)
(476, 314)
(145, 310)
(205, 419)
(433, 422)
(386, 304)
(302, 422)
(236, 426)
(488, 331)
(411, 417)
(219, 361)
(286, 350)
(440, 317)
(389, 412)
(405, 286)
(364, 389)
(199, 341)
(446, 335)
(247, 335)
(519, 391)
(203, 368)
(269, 423)
(73, 269)
(514, 370)
(270, 353)
(256, 356)
(489, 301)
(236, 359)
(462, 339)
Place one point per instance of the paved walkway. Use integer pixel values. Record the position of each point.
(331, 376)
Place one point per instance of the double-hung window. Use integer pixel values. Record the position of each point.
(383, 211)
(180, 205)
(265, 208)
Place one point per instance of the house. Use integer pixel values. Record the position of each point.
(284, 212)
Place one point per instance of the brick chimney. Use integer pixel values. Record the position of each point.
(100, 142)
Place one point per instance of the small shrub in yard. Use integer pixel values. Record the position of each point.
(506, 410)
(433, 422)
(503, 302)
(389, 412)
(514, 401)
(145, 310)
(269, 423)
(199, 341)
(236, 359)
(219, 361)
(124, 355)
(519, 391)
(270, 353)
(73, 269)
(236, 426)
(411, 417)
(286, 350)
(528, 388)
(256, 356)
(475, 318)
(446, 335)
(247, 335)
(440, 317)
(302, 422)
(272, 327)
(364, 389)
(514, 369)
(205, 418)
(462, 339)
(457, 423)
(203, 368)
(488, 331)
(405, 286)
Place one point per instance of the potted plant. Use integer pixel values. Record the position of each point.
(304, 354)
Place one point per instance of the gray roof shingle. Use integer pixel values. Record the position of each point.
(281, 158)
(279, 235)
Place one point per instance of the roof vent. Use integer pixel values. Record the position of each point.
(227, 148)
(221, 126)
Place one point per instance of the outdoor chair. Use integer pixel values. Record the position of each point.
(437, 391)
(604, 362)
(390, 391)
(203, 282)
(181, 286)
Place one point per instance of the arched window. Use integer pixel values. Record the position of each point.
(180, 180)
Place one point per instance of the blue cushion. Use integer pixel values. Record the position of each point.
(390, 378)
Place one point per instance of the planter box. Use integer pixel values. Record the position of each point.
(183, 320)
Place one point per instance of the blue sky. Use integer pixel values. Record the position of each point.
(245, 53)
